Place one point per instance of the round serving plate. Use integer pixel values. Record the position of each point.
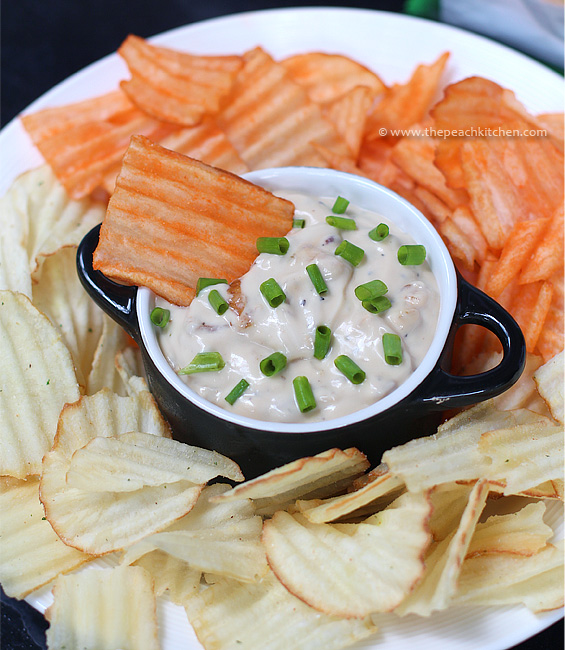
(391, 45)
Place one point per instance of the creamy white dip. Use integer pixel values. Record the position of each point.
(251, 330)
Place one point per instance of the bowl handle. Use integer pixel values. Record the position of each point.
(442, 390)
(117, 300)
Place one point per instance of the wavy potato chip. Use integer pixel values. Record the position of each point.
(507, 579)
(520, 533)
(38, 378)
(265, 615)
(218, 538)
(133, 461)
(32, 554)
(100, 522)
(37, 214)
(311, 477)
(320, 563)
(108, 608)
(444, 560)
(549, 382)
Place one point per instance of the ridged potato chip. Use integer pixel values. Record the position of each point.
(218, 538)
(549, 382)
(133, 461)
(444, 559)
(100, 522)
(506, 579)
(108, 608)
(37, 213)
(520, 533)
(38, 378)
(311, 477)
(265, 616)
(351, 570)
(321, 511)
(32, 554)
(58, 293)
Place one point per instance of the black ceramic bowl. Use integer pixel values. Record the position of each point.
(412, 410)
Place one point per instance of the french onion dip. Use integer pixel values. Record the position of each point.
(251, 330)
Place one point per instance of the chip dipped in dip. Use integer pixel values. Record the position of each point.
(328, 321)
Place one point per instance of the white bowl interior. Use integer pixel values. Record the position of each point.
(366, 194)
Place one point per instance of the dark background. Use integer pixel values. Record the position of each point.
(45, 41)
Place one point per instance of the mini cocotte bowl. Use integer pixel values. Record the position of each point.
(411, 410)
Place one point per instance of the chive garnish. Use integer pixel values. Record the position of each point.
(160, 316)
(350, 369)
(303, 394)
(350, 252)
(202, 283)
(272, 292)
(343, 223)
(237, 391)
(377, 305)
(392, 347)
(379, 233)
(204, 362)
(371, 289)
(340, 205)
(272, 245)
(412, 255)
(317, 278)
(273, 364)
(217, 301)
(322, 341)
(298, 223)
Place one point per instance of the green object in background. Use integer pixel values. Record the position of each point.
(423, 8)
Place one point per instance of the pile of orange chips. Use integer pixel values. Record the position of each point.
(488, 174)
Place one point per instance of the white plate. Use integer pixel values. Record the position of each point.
(392, 45)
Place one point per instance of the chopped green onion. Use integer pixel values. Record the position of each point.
(412, 255)
(217, 301)
(273, 364)
(317, 278)
(160, 316)
(377, 305)
(350, 369)
(350, 252)
(322, 341)
(298, 223)
(208, 282)
(379, 233)
(343, 223)
(392, 347)
(340, 205)
(272, 245)
(371, 289)
(237, 391)
(272, 292)
(303, 394)
(204, 362)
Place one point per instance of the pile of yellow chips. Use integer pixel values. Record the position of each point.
(308, 555)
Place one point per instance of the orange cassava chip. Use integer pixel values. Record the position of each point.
(327, 77)
(176, 86)
(206, 220)
(405, 104)
(270, 119)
